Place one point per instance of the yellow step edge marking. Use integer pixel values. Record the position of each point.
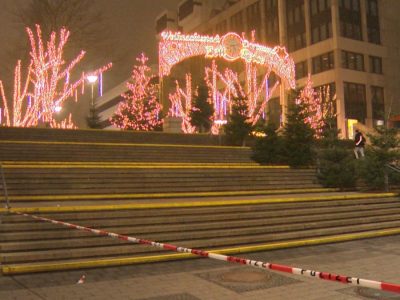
(120, 144)
(130, 163)
(190, 204)
(42, 267)
(162, 195)
(127, 166)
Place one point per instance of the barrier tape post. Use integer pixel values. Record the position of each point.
(391, 287)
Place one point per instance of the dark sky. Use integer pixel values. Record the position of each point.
(132, 23)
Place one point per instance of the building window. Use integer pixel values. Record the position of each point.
(375, 64)
(352, 61)
(296, 27)
(355, 102)
(350, 19)
(185, 9)
(254, 19)
(378, 103)
(272, 22)
(237, 24)
(323, 63)
(321, 20)
(301, 69)
(373, 28)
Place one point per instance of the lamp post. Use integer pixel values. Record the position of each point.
(91, 119)
(92, 80)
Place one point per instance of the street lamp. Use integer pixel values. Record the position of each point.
(92, 80)
(92, 115)
(57, 108)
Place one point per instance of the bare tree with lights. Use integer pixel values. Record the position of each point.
(48, 83)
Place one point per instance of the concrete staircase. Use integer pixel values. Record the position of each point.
(152, 190)
(32, 246)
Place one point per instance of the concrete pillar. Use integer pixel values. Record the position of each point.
(283, 41)
(369, 122)
(282, 22)
(340, 107)
(263, 33)
(364, 28)
(335, 22)
(307, 17)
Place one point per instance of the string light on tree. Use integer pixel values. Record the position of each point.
(222, 98)
(140, 110)
(48, 82)
(181, 104)
(312, 106)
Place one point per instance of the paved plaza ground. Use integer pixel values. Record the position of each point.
(195, 279)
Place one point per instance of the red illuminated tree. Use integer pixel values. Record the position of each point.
(140, 110)
(312, 106)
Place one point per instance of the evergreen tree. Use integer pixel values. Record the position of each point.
(298, 137)
(268, 149)
(93, 120)
(336, 162)
(382, 151)
(239, 124)
(312, 105)
(202, 111)
(140, 110)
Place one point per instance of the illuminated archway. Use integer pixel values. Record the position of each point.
(175, 47)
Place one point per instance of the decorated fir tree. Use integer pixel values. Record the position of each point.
(312, 106)
(202, 111)
(239, 124)
(140, 110)
(298, 137)
(381, 157)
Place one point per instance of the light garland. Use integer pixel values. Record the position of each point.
(175, 47)
(181, 104)
(222, 98)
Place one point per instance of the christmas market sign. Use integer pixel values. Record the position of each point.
(175, 47)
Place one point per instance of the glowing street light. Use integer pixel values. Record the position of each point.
(92, 80)
(57, 109)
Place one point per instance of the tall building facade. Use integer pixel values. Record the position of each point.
(350, 45)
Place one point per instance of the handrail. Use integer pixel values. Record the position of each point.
(393, 168)
(3, 179)
(386, 175)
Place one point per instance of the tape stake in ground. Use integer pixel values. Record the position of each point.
(391, 287)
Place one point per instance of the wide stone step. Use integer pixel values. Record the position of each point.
(154, 190)
(180, 224)
(283, 209)
(216, 238)
(52, 134)
(204, 215)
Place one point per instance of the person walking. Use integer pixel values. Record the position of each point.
(359, 142)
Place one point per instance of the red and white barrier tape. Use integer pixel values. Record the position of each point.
(395, 288)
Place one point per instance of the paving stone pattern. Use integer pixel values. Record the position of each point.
(203, 279)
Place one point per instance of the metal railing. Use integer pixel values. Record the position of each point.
(4, 184)
(391, 167)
